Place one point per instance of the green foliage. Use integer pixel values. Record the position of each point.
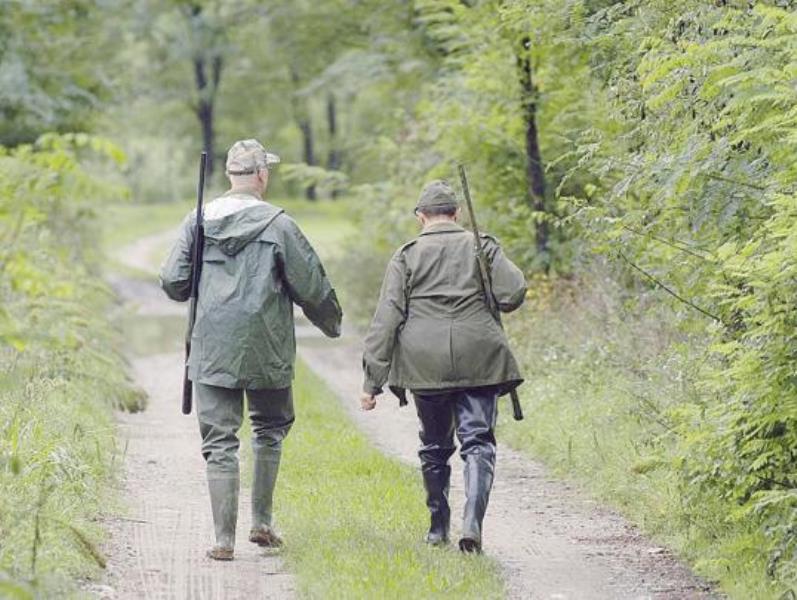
(699, 193)
(53, 65)
(326, 181)
(58, 376)
(613, 398)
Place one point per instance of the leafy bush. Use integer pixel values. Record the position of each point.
(698, 195)
(58, 379)
(614, 396)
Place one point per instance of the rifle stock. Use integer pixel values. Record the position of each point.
(196, 272)
(486, 281)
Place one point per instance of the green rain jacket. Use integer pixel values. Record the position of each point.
(256, 265)
(432, 329)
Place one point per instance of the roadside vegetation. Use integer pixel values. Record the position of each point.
(60, 376)
(612, 399)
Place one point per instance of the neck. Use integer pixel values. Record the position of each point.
(431, 221)
(248, 188)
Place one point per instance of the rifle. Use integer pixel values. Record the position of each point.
(196, 272)
(486, 280)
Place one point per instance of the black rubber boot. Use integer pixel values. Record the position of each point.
(478, 483)
(435, 480)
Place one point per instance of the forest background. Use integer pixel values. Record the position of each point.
(636, 158)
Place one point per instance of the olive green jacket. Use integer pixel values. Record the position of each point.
(432, 329)
(256, 265)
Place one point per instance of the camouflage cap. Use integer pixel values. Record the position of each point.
(437, 194)
(245, 157)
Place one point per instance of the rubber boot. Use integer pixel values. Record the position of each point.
(266, 466)
(478, 483)
(224, 503)
(436, 480)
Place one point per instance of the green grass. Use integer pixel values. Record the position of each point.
(355, 520)
(58, 454)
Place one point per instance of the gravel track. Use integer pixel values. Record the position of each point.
(157, 547)
(550, 539)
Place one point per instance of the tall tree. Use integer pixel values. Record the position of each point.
(302, 114)
(208, 41)
(193, 40)
(535, 175)
(333, 158)
(311, 36)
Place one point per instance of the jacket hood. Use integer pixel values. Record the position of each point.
(233, 221)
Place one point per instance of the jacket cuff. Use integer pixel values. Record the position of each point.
(371, 389)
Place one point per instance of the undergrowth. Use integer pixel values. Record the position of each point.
(613, 398)
(59, 375)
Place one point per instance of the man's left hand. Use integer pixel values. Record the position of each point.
(367, 401)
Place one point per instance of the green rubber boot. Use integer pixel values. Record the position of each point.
(223, 489)
(266, 466)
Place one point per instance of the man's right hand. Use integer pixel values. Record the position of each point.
(367, 401)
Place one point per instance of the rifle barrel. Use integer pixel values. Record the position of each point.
(484, 272)
(196, 270)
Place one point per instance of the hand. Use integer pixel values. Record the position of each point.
(367, 401)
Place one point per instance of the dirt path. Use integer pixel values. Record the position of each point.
(157, 548)
(549, 538)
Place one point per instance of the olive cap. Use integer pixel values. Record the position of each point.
(245, 157)
(436, 194)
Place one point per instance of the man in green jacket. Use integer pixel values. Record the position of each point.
(256, 265)
(434, 335)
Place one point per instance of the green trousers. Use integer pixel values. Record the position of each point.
(220, 413)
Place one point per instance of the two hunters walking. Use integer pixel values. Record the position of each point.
(436, 333)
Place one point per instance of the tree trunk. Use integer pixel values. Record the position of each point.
(302, 115)
(206, 87)
(535, 175)
(204, 111)
(333, 159)
(309, 152)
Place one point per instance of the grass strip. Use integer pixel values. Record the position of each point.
(354, 519)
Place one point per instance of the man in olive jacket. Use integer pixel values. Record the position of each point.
(434, 335)
(256, 265)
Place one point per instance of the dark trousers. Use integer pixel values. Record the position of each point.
(470, 413)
